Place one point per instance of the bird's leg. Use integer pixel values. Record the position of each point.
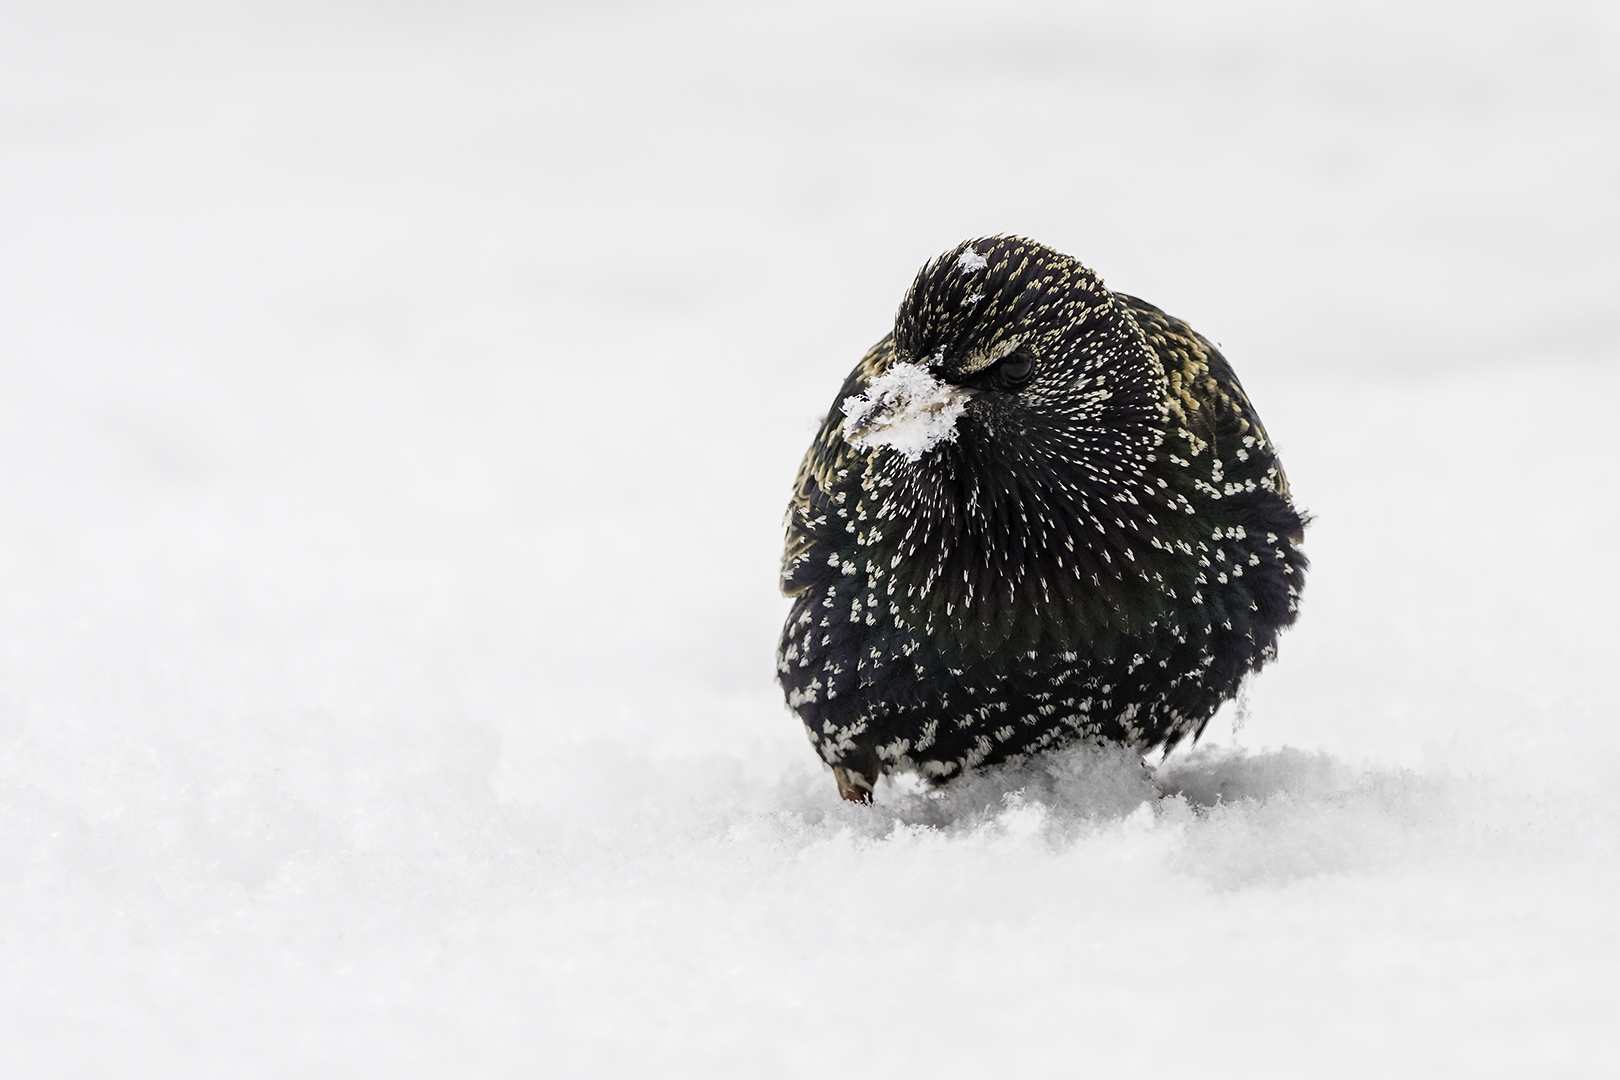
(854, 785)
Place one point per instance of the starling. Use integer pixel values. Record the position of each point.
(1038, 512)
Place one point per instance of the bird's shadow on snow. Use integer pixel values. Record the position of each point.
(1209, 778)
(1229, 817)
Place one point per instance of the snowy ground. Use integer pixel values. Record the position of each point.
(397, 407)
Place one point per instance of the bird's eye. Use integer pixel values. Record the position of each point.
(1013, 371)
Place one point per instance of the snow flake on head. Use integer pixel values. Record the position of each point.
(969, 261)
(905, 408)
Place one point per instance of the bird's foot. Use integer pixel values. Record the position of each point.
(854, 786)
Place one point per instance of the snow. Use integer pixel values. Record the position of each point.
(905, 408)
(969, 261)
(397, 411)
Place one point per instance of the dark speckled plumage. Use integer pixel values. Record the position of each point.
(1102, 547)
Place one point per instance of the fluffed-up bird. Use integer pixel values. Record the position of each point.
(1038, 512)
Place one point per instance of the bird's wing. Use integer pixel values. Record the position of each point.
(827, 461)
(1205, 396)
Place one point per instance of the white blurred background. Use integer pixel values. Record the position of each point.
(397, 408)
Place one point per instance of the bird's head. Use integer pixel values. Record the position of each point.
(1019, 409)
(1006, 350)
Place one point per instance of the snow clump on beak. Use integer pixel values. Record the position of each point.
(906, 408)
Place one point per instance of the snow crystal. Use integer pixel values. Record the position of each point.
(970, 260)
(905, 408)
